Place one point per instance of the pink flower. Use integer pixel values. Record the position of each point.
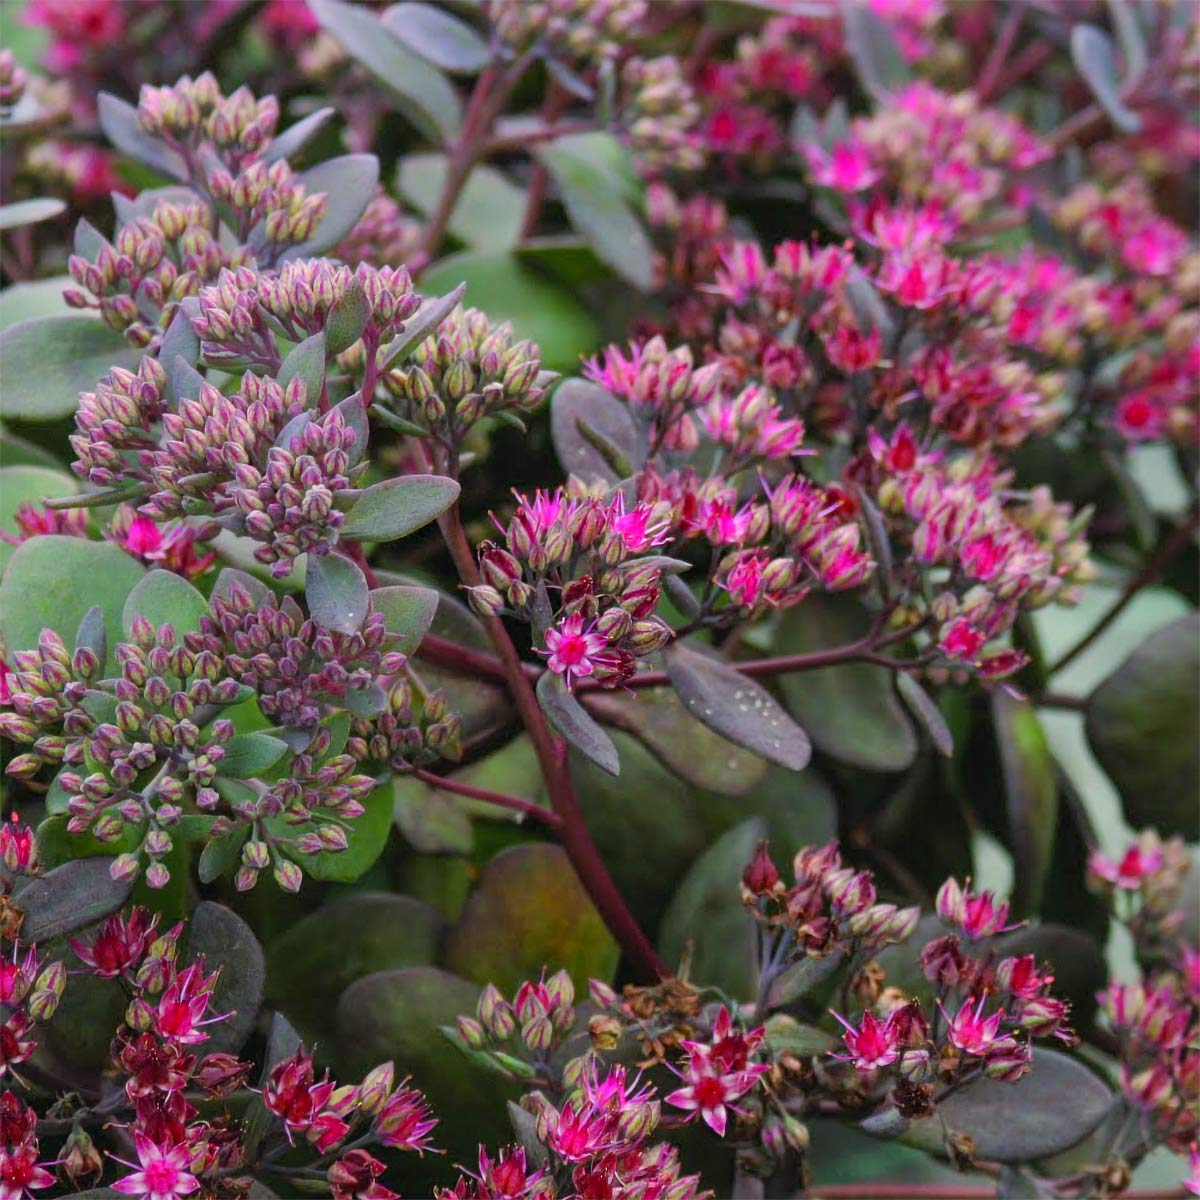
(182, 1008)
(21, 1173)
(120, 943)
(142, 538)
(848, 168)
(1140, 417)
(1192, 1181)
(961, 640)
(573, 648)
(164, 1173)
(873, 1045)
(711, 1094)
(1140, 861)
(970, 1030)
(18, 849)
(404, 1123)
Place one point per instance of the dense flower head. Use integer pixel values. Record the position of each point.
(584, 30)
(469, 369)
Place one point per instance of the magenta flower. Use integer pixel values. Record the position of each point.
(21, 1173)
(1140, 861)
(119, 945)
(181, 1011)
(846, 168)
(710, 1094)
(873, 1045)
(970, 1030)
(404, 1122)
(573, 648)
(164, 1174)
(1192, 1181)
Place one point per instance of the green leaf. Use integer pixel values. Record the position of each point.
(250, 754)
(408, 612)
(577, 400)
(306, 360)
(69, 897)
(572, 721)
(707, 922)
(490, 209)
(922, 706)
(48, 361)
(1047, 1111)
(119, 121)
(432, 820)
(222, 854)
(659, 720)
(30, 212)
(313, 961)
(438, 37)
(1095, 58)
(1141, 724)
(736, 707)
(1127, 24)
(596, 205)
(347, 319)
(367, 836)
(295, 137)
(163, 598)
(873, 50)
(52, 581)
(226, 942)
(851, 712)
(397, 507)
(1031, 796)
(538, 307)
(336, 591)
(20, 452)
(786, 1035)
(424, 94)
(27, 485)
(530, 911)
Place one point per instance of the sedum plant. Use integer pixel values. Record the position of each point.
(437, 599)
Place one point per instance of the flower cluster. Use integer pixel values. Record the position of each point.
(584, 31)
(592, 554)
(21, 1172)
(467, 370)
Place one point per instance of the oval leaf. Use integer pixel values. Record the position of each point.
(337, 592)
(119, 121)
(530, 911)
(579, 406)
(736, 707)
(29, 212)
(48, 361)
(164, 598)
(69, 897)
(1095, 59)
(226, 942)
(250, 754)
(437, 36)
(1141, 723)
(408, 612)
(396, 507)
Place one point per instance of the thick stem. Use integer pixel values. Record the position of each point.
(552, 757)
(1000, 51)
(1153, 568)
(500, 799)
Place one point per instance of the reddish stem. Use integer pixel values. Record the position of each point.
(500, 799)
(552, 757)
(1001, 48)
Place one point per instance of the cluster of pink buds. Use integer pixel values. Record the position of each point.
(585, 31)
(506, 1177)
(829, 907)
(518, 1038)
(933, 147)
(157, 715)
(468, 370)
(593, 555)
(661, 386)
(297, 668)
(659, 114)
(155, 261)
(324, 1113)
(410, 730)
(383, 234)
(13, 80)
(1145, 886)
(32, 521)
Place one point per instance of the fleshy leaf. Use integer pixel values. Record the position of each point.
(873, 49)
(438, 37)
(1095, 58)
(225, 941)
(69, 897)
(572, 721)
(295, 137)
(250, 754)
(163, 597)
(347, 319)
(119, 121)
(1141, 724)
(29, 212)
(577, 400)
(397, 507)
(408, 612)
(306, 360)
(922, 706)
(529, 910)
(48, 361)
(736, 707)
(337, 592)
(422, 323)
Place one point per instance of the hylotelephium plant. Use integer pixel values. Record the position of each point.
(829, 446)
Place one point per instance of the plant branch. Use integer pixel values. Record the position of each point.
(1000, 51)
(1150, 571)
(552, 757)
(527, 808)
